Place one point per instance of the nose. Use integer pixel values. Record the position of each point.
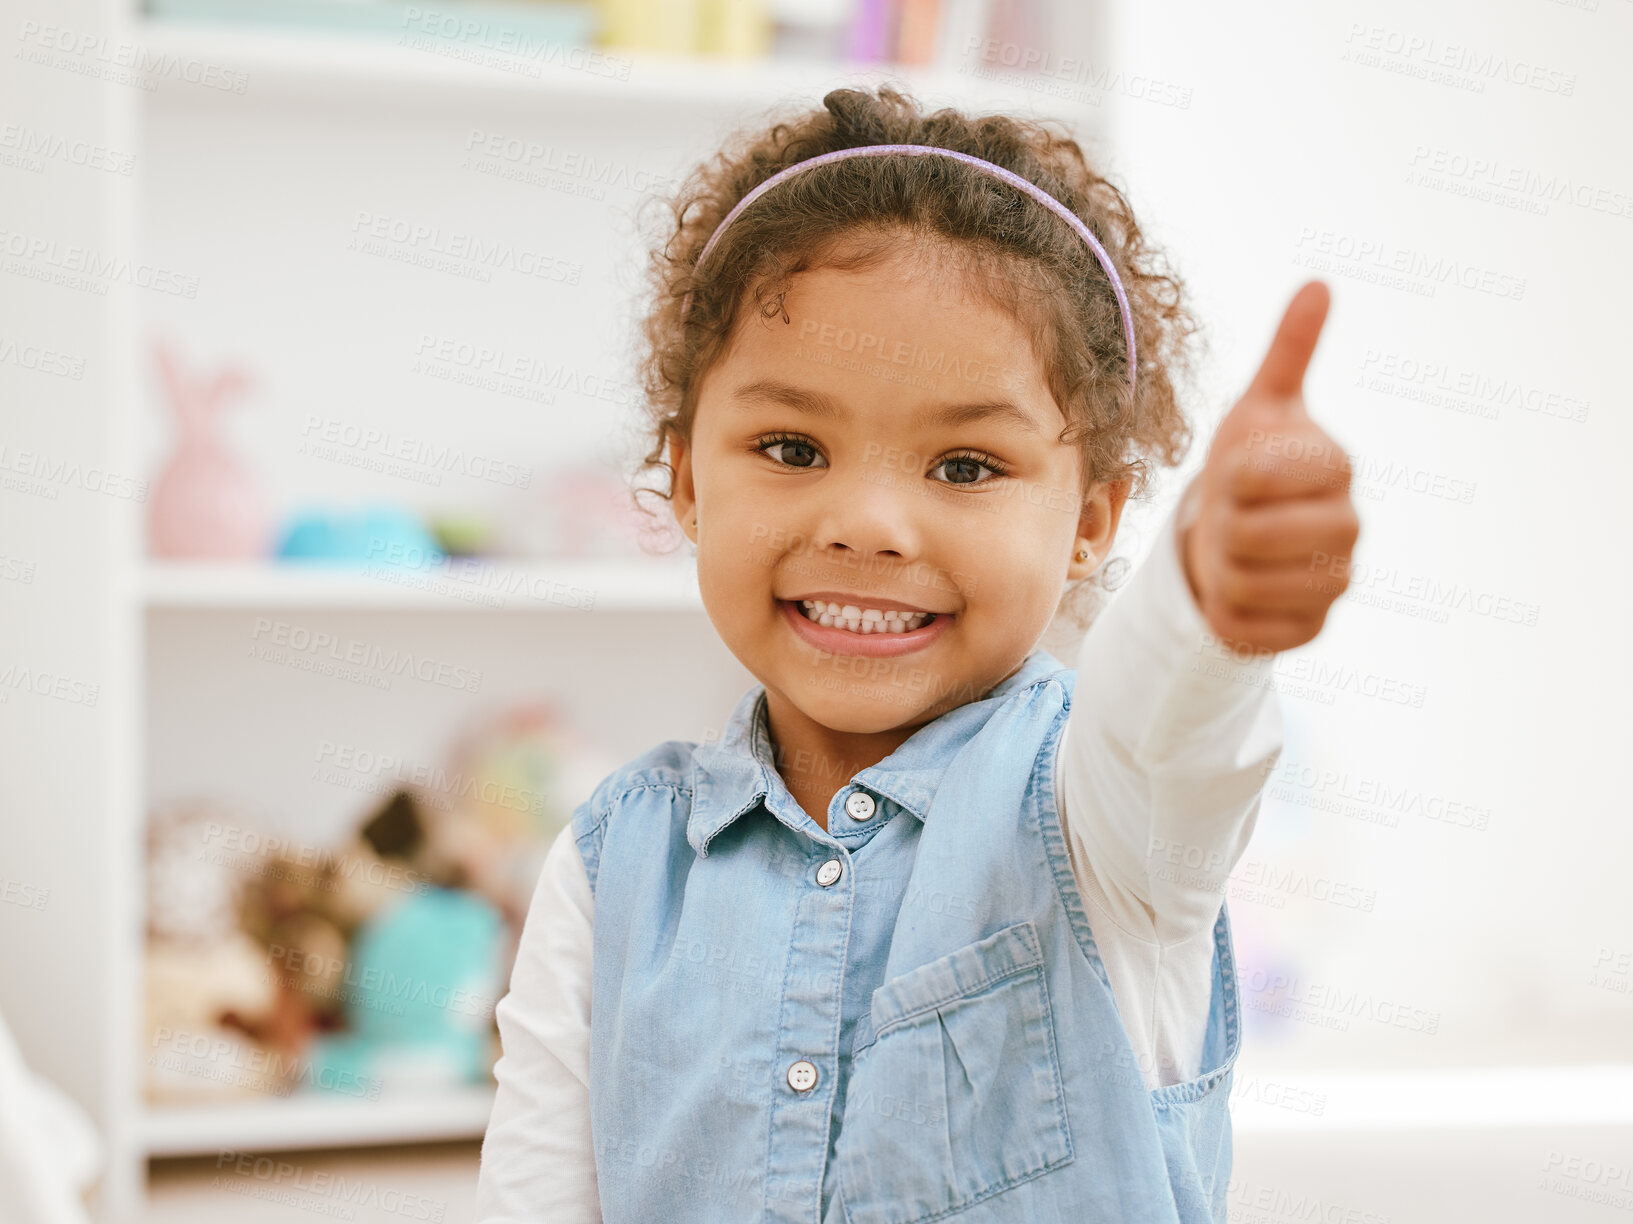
(872, 509)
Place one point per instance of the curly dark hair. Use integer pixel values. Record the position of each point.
(855, 213)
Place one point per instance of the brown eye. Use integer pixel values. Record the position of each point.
(796, 452)
(968, 467)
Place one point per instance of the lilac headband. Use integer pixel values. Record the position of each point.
(986, 167)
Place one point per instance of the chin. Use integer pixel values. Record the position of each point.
(855, 705)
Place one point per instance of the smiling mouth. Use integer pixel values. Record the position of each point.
(862, 620)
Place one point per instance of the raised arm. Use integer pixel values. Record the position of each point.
(1174, 725)
(1165, 751)
(538, 1156)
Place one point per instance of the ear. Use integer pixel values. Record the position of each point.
(684, 499)
(1097, 526)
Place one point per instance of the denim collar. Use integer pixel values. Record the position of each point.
(733, 774)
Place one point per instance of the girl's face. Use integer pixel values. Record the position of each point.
(888, 446)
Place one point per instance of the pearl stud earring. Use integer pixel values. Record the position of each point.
(1082, 554)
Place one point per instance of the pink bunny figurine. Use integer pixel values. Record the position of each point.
(205, 503)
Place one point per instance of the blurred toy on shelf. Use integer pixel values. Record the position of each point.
(584, 512)
(380, 535)
(557, 21)
(372, 965)
(734, 29)
(423, 977)
(462, 534)
(204, 978)
(515, 776)
(810, 30)
(205, 502)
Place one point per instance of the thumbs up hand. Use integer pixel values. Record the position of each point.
(1272, 495)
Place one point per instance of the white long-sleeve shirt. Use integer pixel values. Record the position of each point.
(1159, 767)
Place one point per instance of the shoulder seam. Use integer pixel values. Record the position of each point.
(605, 809)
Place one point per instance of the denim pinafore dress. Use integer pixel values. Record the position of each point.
(899, 1020)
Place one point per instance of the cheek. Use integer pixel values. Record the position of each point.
(1023, 530)
(1016, 559)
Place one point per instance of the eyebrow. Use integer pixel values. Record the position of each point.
(814, 403)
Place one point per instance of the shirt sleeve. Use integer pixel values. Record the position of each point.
(538, 1154)
(1160, 766)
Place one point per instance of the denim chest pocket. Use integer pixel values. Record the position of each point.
(955, 1090)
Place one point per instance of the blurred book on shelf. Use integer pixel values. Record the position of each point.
(477, 21)
(942, 34)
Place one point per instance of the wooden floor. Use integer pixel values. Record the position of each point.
(433, 1181)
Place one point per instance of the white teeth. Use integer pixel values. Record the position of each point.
(863, 620)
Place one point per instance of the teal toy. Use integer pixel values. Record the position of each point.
(382, 535)
(420, 986)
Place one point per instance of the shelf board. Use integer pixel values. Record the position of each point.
(279, 60)
(493, 585)
(315, 1121)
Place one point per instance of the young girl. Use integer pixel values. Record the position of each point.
(935, 928)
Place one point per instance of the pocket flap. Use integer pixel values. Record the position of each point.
(968, 971)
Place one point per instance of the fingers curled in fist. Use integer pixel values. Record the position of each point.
(1273, 526)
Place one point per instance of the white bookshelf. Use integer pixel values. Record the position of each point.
(286, 63)
(284, 1123)
(568, 586)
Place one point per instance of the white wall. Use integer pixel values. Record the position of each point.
(1290, 142)
(1311, 126)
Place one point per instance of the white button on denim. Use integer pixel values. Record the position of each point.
(802, 1076)
(860, 806)
(828, 872)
